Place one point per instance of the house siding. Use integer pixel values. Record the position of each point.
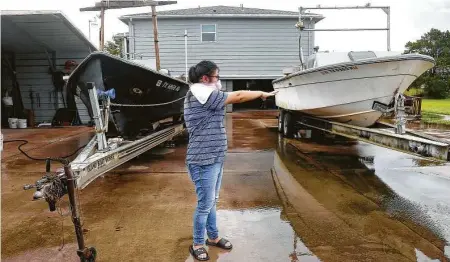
(244, 47)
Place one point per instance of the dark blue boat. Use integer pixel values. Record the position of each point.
(143, 96)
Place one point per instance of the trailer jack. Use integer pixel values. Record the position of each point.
(51, 188)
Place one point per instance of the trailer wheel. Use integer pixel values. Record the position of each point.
(288, 125)
(280, 122)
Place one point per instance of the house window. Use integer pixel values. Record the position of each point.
(208, 33)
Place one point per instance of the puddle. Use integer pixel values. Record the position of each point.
(352, 206)
(426, 189)
(375, 157)
(259, 235)
(445, 117)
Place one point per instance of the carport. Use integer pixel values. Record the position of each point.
(38, 49)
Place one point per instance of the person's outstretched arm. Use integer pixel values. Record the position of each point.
(244, 96)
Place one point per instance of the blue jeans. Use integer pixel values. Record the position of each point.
(207, 180)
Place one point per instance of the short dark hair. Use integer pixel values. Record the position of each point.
(203, 68)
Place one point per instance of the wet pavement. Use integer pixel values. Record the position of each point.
(363, 203)
(281, 200)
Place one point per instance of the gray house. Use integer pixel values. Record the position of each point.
(251, 46)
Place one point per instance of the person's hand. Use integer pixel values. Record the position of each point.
(265, 95)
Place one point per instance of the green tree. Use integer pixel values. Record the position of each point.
(436, 44)
(114, 47)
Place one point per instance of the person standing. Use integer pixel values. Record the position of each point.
(204, 115)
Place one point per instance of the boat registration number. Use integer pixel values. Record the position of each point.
(167, 85)
(339, 69)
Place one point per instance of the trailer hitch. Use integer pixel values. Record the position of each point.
(53, 187)
(50, 187)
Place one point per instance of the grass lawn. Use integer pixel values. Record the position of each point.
(438, 106)
(431, 118)
(432, 107)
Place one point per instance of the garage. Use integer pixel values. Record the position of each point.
(38, 49)
(254, 85)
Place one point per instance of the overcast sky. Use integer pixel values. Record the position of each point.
(409, 18)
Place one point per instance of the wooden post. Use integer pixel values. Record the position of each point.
(102, 28)
(103, 5)
(155, 36)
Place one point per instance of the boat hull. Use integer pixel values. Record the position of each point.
(136, 88)
(346, 92)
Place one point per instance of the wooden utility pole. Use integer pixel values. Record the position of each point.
(102, 28)
(104, 5)
(155, 37)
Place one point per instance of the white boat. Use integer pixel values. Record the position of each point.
(343, 87)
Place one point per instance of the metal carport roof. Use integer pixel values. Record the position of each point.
(35, 31)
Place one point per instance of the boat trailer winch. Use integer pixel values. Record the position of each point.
(99, 156)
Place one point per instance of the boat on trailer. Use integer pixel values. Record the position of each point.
(348, 87)
(141, 98)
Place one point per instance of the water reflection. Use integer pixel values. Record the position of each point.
(343, 211)
(259, 234)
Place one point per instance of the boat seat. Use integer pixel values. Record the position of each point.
(360, 55)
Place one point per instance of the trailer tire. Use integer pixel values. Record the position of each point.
(288, 124)
(280, 122)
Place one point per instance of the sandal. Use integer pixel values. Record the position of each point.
(196, 253)
(221, 244)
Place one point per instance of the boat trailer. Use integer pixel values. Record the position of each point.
(99, 156)
(395, 137)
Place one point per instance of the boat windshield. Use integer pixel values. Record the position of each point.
(360, 55)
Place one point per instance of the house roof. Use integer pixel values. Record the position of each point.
(33, 31)
(222, 11)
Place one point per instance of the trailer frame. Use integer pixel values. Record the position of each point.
(292, 124)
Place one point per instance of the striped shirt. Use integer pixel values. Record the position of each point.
(204, 114)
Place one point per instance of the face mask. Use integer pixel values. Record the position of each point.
(217, 85)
